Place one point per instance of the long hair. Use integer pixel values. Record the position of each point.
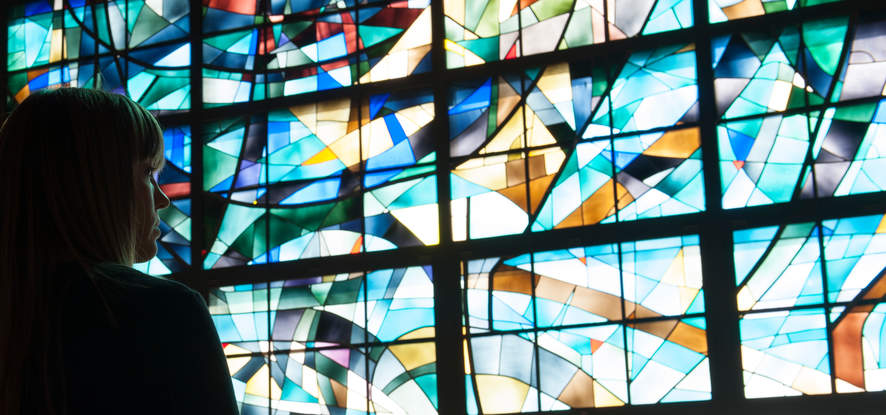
(67, 160)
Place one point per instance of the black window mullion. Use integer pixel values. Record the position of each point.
(447, 294)
(715, 237)
(198, 279)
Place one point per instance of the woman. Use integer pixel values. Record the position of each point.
(80, 330)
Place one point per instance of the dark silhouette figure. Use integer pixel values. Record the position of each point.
(80, 330)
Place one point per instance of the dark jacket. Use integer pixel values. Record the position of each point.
(134, 344)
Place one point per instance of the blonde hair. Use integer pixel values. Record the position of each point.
(67, 159)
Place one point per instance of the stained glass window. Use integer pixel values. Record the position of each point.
(834, 269)
(137, 47)
(327, 343)
(481, 31)
(829, 151)
(722, 10)
(636, 331)
(566, 152)
(482, 207)
(332, 178)
(254, 50)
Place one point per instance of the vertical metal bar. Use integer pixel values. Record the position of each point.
(715, 239)
(447, 304)
(198, 278)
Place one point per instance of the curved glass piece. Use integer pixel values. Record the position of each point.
(335, 177)
(785, 353)
(327, 343)
(255, 50)
(723, 10)
(137, 48)
(482, 31)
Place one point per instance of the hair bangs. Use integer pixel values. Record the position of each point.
(148, 135)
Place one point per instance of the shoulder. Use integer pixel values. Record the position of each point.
(130, 279)
(151, 294)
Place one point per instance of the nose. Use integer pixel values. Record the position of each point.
(161, 201)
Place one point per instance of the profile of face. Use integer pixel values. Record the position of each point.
(149, 199)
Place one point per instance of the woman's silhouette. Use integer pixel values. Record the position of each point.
(80, 330)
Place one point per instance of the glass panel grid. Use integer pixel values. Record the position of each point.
(585, 327)
(822, 283)
(550, 125)
(332, 341)
(798, 152)
(518, 131)
(335, 177)
(265, 50)
(781, 158)
(792, 67)
(723, 10)
(479, 31)
(137, 48)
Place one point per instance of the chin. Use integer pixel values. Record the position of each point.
(145, 255)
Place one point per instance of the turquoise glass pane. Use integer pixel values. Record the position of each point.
(778, 266)
(584, 192)
(576, 361)
(326, 380)
(330, 178)
(158, 83)
(478, 32)
(655, 88)
(668, 361)
(138, 44)
(498, 296)
(319, 327)
(332, 380)
(333, 310)
(658, 174)
(757, 73)
(233, 152)
(43, 31)
(37, 34)
(855, 257)
(282, 49)
(590, 285)
(240, 315)
(662, 277)
(785, 353)
(765, 160)
(403, 378)
(664, 361)
(762, 160)
(561, 182)
(402, 213)
(816, 62)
